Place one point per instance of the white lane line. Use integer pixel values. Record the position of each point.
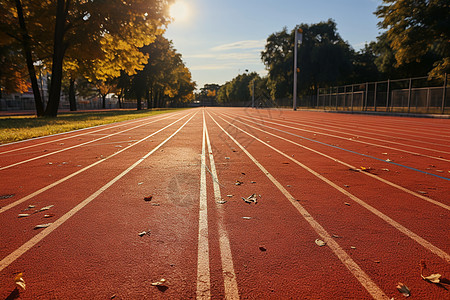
(117, 124)
(229, 275)
(34, 194)
(203, 274)
(424, 243)
(366, 137)
(348, 262)
(79, 145)
(447, 207)
(372, 132)
(362, 142)
(5, 262)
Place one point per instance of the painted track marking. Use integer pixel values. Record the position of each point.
(118, 124)
(78, 145)
(362, 142)
(351, 151)
(203, 274)
(9, 259)
(348, 262)
(424, 243)
(447, 207)
(34, 194)
(229, 275)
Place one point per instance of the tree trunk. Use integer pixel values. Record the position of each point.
(147, 95)
(104, 101)
(139, 107)
(119, 98)
(59, 49)
(29, 59)
(72, 97)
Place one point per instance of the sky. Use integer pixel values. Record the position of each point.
(219, 39)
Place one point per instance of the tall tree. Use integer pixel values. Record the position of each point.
(418, 30)
(86, 32)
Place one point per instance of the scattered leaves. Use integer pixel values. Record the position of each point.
(19, 281)
(403, 289)
(320, 243)
(251, 199)
(45, 208)
(162, 281)
(42, 226)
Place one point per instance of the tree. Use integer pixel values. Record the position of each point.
(324, 59)
(237, 90)
(418, 30)
(107, 34)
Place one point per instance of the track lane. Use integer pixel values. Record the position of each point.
(347, 224)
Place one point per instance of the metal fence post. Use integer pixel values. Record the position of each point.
(409, 94)
(365, 96)
(428, 99)
(352, 96)
(444, 93)
(387, 95)
(318, 93)
(375, 97)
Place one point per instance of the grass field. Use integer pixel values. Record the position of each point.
(17, 128)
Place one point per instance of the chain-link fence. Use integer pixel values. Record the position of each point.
(412, 95)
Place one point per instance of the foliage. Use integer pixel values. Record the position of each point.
(417, 31)
(97, 39)
(324, 59)
(237, 90)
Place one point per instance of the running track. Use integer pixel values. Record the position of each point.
(374, 189)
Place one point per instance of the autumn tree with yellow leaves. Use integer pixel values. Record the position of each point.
(89, 38)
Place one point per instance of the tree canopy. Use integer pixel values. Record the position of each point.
(418, 31)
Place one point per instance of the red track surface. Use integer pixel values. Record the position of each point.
(378, 224)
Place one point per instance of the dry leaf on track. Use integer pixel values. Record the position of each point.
(320, 243)
(162, 281)
(23, 215)
(19, 281)
(42, 226)
(403, 289)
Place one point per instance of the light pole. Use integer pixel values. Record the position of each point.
(298, 40)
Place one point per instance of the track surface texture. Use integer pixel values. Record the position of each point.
(229, 203)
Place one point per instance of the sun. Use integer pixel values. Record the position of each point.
(179, 11)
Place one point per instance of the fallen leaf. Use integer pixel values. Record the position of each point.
(29, 207)
(388, 160)
(227, 158)
(23, 215)
(238, 182)
(19, 280)
(49, 216)
(352, 247)
(230, 196)
(155, 204)
(149, 198)
(320, 243)
(252, 181)
(434, 278)
(346, 203)
(246, 218)
(387, 170)
(140, 183)
(336, 236)
(162, 281)
(262, 248)
(251, 199)
(403, 289)
(42, 226)
(384, 153)
(422, 192)
(221, 202)
(143, 233)
(346, 185)
(6, 196)
(45, 208)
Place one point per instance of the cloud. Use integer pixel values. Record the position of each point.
(248, 44)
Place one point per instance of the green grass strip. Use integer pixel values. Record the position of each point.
(17, 128)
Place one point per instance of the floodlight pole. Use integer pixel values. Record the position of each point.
(298, 39)
(253, 93)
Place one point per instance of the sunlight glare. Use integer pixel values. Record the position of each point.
(179, 11)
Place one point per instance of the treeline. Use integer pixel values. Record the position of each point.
(114, 46)
(414, 42)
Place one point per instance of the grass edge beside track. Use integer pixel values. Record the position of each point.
(23, 127)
